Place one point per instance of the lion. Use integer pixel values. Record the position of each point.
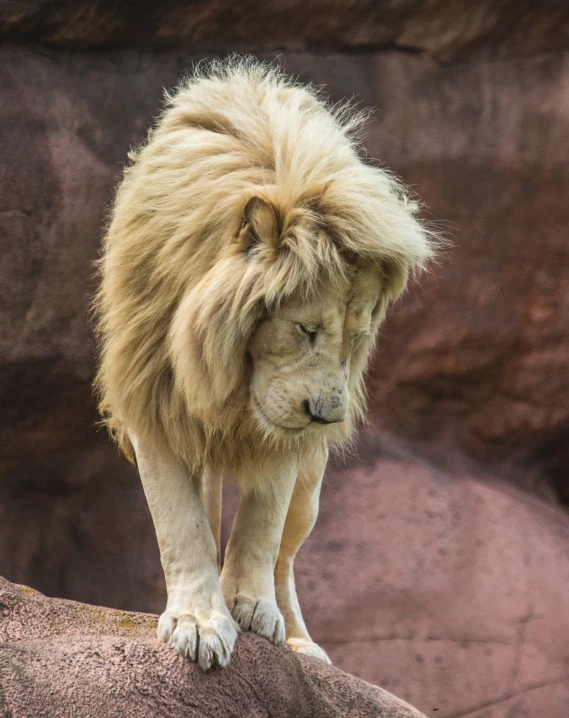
(250, 256)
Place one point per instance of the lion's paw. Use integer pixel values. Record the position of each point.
(259, 615)
(205, 637)
(308, 647)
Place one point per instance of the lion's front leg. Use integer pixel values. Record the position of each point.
(196, 622)
(247, 577)
(300, 520)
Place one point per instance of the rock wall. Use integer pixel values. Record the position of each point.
(444, 30)
(468, 390)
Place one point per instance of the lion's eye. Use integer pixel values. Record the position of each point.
(307, 330)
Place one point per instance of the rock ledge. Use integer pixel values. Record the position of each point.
(62, 658)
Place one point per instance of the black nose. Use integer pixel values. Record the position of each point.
(314, 417)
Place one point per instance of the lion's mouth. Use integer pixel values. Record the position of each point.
(268, 420)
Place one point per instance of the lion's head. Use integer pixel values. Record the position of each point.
(302, 353)
(280, 329)
(302, 356)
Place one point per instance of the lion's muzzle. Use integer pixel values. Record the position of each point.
(329, 408)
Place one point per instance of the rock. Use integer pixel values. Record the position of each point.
(448, 589)
(474, 358)
(68, 659)
(442, 29)
(59, 475)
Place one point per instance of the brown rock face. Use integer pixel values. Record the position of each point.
(442, 29)
(452, 599)
(68, 659)
(475, 358)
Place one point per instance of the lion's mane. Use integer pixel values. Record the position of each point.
(179, 299)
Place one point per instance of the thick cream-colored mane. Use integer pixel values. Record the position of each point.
(179, 298)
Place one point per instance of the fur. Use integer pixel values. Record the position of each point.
(180, 296)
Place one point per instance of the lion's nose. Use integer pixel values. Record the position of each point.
(324, 412)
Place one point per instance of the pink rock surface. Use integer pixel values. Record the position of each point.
(61, 658)
(449, 590)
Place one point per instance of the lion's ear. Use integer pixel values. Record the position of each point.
(260, 224)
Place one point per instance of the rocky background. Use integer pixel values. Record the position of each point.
(439, 568)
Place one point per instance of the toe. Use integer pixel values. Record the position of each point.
(185, 637)
(213, 650)
(242, 610)
(308, 648)
(217, 639)
(267, 621)
(166, 626)
(279, 633)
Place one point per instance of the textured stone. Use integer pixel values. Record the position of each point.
(66, 127)
(59, 658)
(475, 358)
(443, 29)
(447, 589)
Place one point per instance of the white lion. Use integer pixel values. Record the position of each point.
(250, 258)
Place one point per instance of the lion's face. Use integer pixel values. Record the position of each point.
(302, 356)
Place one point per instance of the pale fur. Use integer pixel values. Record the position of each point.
(178, 303)
(184, 289)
